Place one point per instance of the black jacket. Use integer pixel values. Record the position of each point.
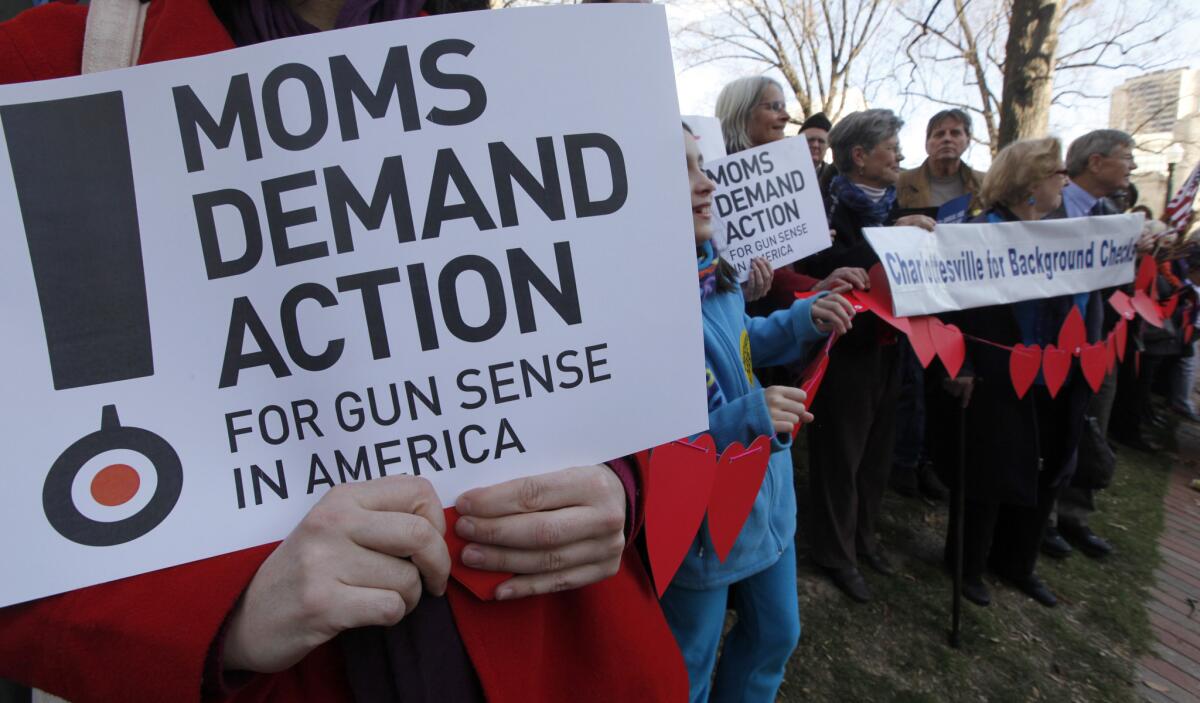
(1008, 439)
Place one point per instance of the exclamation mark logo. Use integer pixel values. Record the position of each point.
(74, 183)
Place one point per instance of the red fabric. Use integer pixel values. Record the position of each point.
(146, 638)
(785, 284)
(607, 642)
(1166, 271)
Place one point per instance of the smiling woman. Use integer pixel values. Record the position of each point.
(752, 112)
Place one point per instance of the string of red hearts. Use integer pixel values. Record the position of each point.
(932, 338)
(687, 480)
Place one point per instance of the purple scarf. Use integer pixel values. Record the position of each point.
(254, 21)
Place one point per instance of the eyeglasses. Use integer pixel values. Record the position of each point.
(774, 105)
(817, 141)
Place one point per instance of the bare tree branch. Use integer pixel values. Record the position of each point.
(823, 48)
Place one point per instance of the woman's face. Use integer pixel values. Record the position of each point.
(768, 118)
(1047, 193)
(701, 188)
(879, 167)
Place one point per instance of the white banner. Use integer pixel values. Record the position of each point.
(232, 282)
(768, 204)
(972, 265)
(708, 136)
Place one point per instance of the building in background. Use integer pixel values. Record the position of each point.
(1162, 112)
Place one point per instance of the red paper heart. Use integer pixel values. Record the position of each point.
(1147, 271)
(921, 339)
(740, 472)
(879, 299)
(1056, 364)
(1120, 334)
(1122, 304)
(1147, 308)
(1023, 366)
(481, 583)
(1094, 362)
(1073, 335)
(680, 482)
(951, 348)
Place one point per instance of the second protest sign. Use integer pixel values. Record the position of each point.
(767, 204)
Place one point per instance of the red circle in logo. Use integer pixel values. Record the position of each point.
(115, 484)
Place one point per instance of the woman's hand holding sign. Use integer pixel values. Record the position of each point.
(923, 221)
(844, 279)
(363, 555)
(556, 531)
(360, 557)
(759, 282)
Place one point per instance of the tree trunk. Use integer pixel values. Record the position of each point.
(1029, 69)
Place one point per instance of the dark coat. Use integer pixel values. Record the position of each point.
(850, 248)
(1008, 439)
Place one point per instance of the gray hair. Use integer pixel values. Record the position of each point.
(953, 113)
(734, 105)
(1098, 142)
(866, 129)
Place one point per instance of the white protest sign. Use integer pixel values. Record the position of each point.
(962, 266)
(708, 136)
(767, 204)
(231, 282)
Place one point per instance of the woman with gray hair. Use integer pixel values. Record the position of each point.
(752, 112)
(850, 443)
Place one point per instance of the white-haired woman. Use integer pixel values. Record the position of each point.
(753, 112)
(850, 443)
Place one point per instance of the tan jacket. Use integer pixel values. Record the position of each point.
(912, 190)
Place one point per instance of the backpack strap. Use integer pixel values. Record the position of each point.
(113, 38)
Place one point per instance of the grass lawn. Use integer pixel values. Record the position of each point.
(895, 648)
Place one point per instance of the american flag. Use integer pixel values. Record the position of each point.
(1179, 210)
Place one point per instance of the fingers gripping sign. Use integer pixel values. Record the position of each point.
(759, 282)
(844, 279)
(362, 556)
(556, 531)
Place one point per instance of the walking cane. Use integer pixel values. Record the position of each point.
(957, 504)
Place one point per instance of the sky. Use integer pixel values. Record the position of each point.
(698, 86)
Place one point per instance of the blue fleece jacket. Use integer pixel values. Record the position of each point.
(737, 412)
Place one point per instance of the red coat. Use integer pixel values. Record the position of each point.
(146, 638)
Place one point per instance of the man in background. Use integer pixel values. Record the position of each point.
(942, 179)
(943, 176)
(815, 131)
(1098, 164)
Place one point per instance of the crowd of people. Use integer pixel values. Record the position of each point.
(357, 604)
